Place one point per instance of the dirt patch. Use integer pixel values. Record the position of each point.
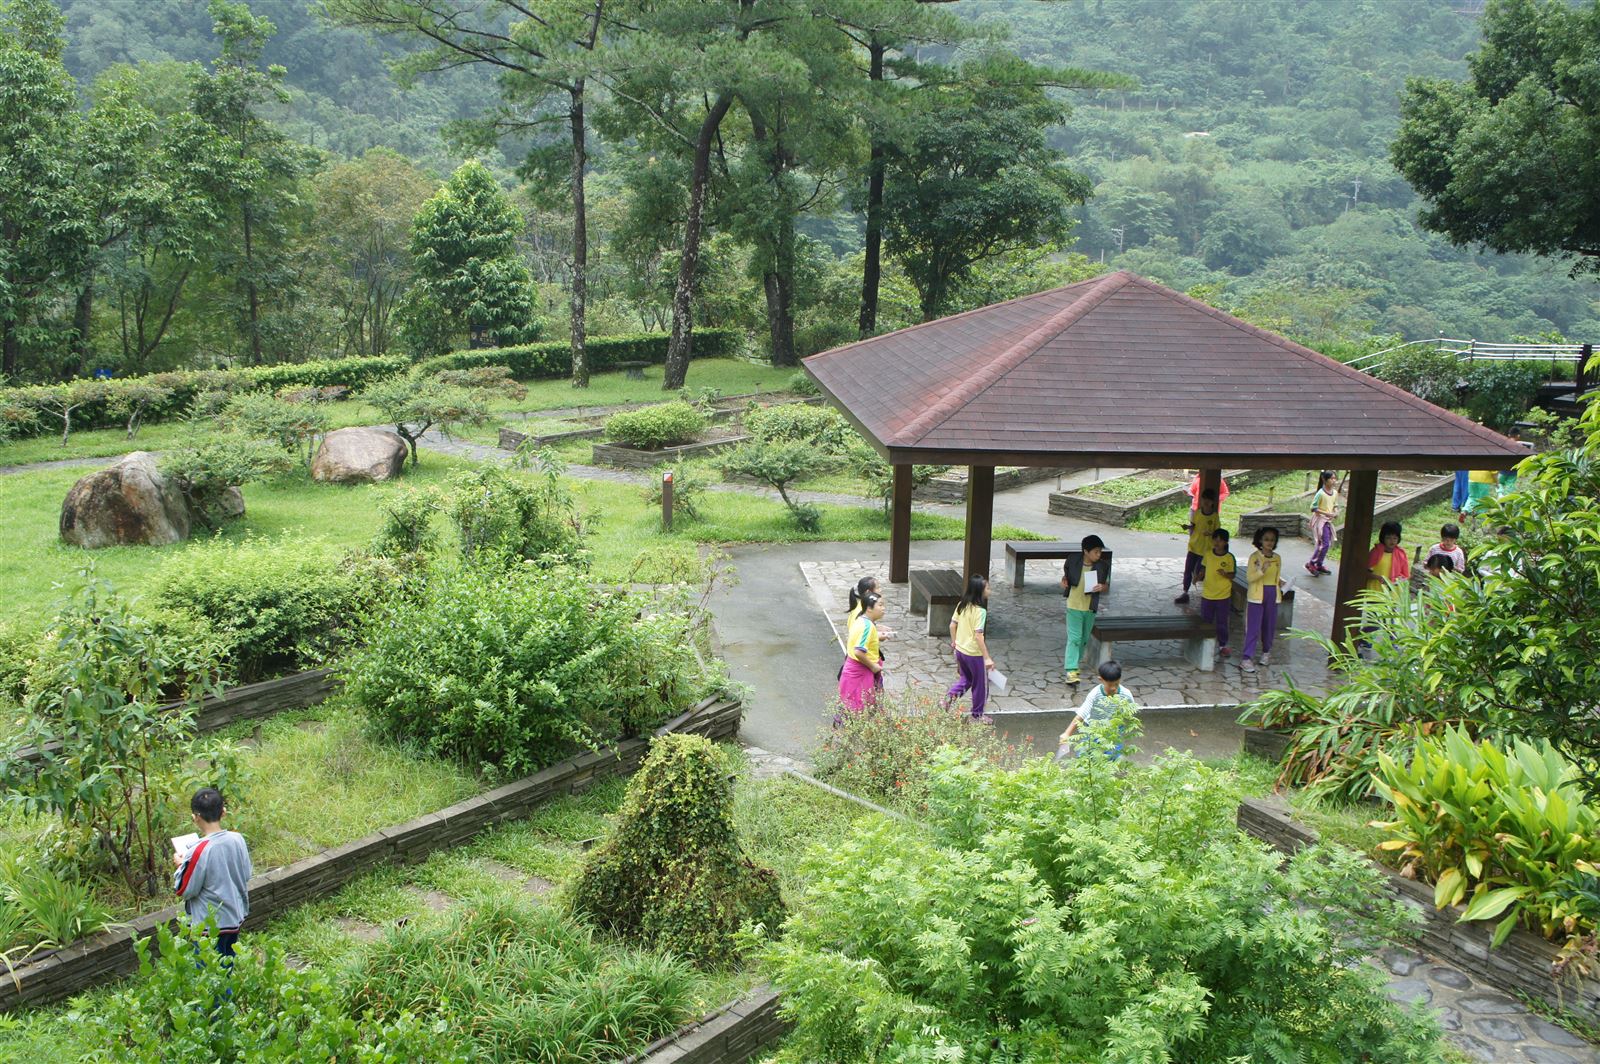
(360, 930)
(434, 900)
(534, 885)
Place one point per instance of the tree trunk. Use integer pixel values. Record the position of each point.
(779, 285)
(82, 318)
(252, 297)
(678, 346)
(10, 350)
(580, 242)
(872, 269)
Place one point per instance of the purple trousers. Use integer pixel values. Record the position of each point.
(974, 678)
(1216, 611)
(1260, 622)
(1322, 536)
(1191, 563)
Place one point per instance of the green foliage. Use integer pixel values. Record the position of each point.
(1127, 489)
(505, 519)
(1431, 375)
(779, 465)
(525, 982)
(485, 380)
(868, 465)
(653, 427)
(511, 669)
(672, 875)
(42, 909)
(884, 755)
(1021, 921)
(269, 606)
(189, 1006)
(127, 759)
(407, 528)
(1505, 831)
(689, 484)
(553, 359)
(209, 466)
(1500, 392)
(415, 403)
(820, 426)
(800, 384)
(296, 427)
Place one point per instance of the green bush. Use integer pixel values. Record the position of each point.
(503, 518)
(778, 466)
(296, 427)
(407, 527)
(553, 359)
(525, 983)
(1435, 377)
(1500, 392)
(187, 1006)
(208, 466)
(1505, 831)
(270, 606)
(802, 384)
(654, 427)
(821, 426)
(42, 909)
(415, 402)
(672, 876)
(689, 484)
(1088, 912)
(513, 668)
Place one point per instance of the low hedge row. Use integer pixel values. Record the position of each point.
(527, 362)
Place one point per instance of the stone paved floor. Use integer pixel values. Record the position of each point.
(1027, 637)
(1486, 1024)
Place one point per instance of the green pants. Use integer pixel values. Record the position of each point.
(1079, 622)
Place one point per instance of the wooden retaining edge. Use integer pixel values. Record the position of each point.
(733, 1034)
(631, 458)
(1521, 963)
(954, 491)
(111, 953)
(247, 702)
(1297, 522)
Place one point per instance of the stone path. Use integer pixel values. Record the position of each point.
(1485, 1024)
(61, 463)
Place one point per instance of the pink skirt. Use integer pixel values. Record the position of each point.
(857, 685)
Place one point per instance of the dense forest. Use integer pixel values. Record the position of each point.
(193, 184)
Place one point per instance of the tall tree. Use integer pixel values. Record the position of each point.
(1510, 160)
(261, 187)
(541, 52)
(468, 276)
(44, 226)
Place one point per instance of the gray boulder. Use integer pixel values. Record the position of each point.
(127, 503)
(349, 456)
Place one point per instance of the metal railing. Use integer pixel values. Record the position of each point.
(1478, 350)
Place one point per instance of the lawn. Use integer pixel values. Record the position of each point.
(1240, 501)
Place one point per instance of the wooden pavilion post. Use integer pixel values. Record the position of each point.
(900, 526)
(1358, 506)
(1209, 478)
(980, 520)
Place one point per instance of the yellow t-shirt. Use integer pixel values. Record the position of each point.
(1483, 476)
(1324, 502)
(1381, 571)
(1204, 525)
(1078, 594)
(864, 636)
(1218, 583)
(969, 622)
(1263, 572)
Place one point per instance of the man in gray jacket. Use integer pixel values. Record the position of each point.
(213, 878)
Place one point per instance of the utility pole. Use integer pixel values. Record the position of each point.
(1118, 234)
(1357, 183)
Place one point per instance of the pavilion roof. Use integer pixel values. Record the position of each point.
(1121, 370)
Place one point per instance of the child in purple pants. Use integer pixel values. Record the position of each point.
(1216, 587)
(1324, 508)
(1264, 574)
(972, 651)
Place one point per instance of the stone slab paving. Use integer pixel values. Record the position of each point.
(1486, 1024)
(1027, 636)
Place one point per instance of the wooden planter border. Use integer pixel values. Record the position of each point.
(1521, 963)
(111, 953)
(954, 490)
(1267, 743)
(612, 454)
(248, 702)
(1297, 522)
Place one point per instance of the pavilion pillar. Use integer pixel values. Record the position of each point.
(900, 526)
(1209, 478)
(980, 520)
(1359, 503)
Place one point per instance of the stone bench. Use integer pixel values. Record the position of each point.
(1199, 636)
(1019, 554)
(1241, 600)
(634, 371)
(936, 592)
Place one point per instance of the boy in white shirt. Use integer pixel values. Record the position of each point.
(1104, 699)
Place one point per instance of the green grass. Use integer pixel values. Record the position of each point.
(1240, 501)
(1127, 489)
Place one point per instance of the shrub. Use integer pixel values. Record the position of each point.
(689, 484)
(802, 384)
(188, 1006)
(415, 403)
(1507, 832)
(1433, 376)
(778, 466)
(554, 358)
(672, 876)
(884, 755)
(1500, 392)
(821, 426)
(1086, 912)
(503, 518)
(135, 398)
(296, 427)
(42, 909)
(868, 465)
(208, 466)
(654, 427)
(511, 669)
(525, 983)
(486, 380)
(273, 606)
(407, 527)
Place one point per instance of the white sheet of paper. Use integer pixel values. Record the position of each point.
(997, 680)
(182, 844)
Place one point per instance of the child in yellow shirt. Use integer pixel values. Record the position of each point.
(1216, 587)
(1205, 520)
(1264, 572)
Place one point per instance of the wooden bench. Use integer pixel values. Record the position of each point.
(1241, 601)
(634, 371)
(936, 592)
(1199, 636)
(1019, 554)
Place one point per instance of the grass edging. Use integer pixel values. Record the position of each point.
(1522, 963)
(111, 953)
(737, 1032)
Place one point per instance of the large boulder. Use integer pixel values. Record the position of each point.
(128, 503)
(348, 456)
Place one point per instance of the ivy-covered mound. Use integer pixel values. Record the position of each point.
(1087, 913)
(672, 876)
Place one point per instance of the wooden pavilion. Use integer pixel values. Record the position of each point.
(1121, 371)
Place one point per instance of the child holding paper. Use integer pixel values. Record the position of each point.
(213, 876)
(1264, 574)
(972, 651)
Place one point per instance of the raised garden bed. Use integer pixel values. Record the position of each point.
(109, 954)
(1108, 508)
(952, 486)
(1399, 495)
(622, 456)
(733, 1034)
(1269, 744)
(589, 426)
(1521, 964)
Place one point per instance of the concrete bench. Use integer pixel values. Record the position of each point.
(1241, 601)
(936, 592)
(634, 371)
(1199, 636)
(1019, 554)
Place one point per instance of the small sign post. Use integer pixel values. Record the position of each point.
(666, 501)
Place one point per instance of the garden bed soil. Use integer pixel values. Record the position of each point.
(1522, 964)
(109, 954)
(1078, 503)
(622, 456)
(951, 487)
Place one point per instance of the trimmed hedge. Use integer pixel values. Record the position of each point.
(527, 362)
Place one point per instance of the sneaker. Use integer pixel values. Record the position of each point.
(1073, 677)
(1265, 659)
(1181, 599)
(1223, 652)
(1313, 570)
(1247, 665)
(1324, 570)
(983, 719)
